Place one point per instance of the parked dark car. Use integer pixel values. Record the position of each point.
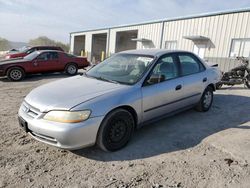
(40, 62)
(29, 50)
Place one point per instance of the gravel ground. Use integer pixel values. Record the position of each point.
(190, 149)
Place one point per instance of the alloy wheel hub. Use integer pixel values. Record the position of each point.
(207, 99)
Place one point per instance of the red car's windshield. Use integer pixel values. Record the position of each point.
(32, 55)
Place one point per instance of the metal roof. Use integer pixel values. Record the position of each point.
(247, 9)
(141, 40)
(196, 37)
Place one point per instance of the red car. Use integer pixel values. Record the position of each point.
(40, 62)
(29, 50)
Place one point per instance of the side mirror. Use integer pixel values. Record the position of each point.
(156, 78)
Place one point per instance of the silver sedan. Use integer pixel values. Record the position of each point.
(107, 103)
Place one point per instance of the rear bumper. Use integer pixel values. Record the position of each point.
(69, 136)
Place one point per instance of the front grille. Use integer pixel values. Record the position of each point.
(30, 110)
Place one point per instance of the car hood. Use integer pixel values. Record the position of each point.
(68, 93)
(10, 61)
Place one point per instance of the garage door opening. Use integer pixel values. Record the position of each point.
(99, 43)
(79, 44)
(124, 40)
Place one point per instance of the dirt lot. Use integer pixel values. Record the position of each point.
(188, 150)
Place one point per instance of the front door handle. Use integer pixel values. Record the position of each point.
(204, 79)
(178, 87)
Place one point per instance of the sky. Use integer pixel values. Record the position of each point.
(22, 20)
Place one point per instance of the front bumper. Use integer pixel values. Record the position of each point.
(63, 135)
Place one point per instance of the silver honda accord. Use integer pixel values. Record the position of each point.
(107, 103)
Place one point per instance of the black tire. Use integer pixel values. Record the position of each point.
(15, 74)
(115, 130)
(71, 69)
(248, 81)
(206, 100)
(248, 84)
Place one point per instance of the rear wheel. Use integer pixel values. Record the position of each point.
(205, 101)
(116, 130)
(71, 69)
(248, 81)
(219, 86)
(15, 74)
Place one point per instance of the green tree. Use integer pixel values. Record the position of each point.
(4, 44)
(45, 41)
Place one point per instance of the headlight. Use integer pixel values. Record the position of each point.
(7, 57)
(67, 116)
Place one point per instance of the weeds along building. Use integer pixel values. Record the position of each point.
(217, 37)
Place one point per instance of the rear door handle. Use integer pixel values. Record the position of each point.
(204, 79)
(178, 87)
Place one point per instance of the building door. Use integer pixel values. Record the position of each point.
(99, 43)
(124, 40)
(199, 49)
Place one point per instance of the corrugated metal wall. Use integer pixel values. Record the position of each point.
(220, 29)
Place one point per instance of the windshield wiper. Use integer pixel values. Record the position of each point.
(105, 79)
(102, 78)
(108, 80)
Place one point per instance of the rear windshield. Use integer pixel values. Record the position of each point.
(70, 55)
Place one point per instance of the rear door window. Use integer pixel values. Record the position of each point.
(190, 64)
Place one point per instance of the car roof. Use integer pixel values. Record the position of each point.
(45, 46)
(151, 52)
(41, 51)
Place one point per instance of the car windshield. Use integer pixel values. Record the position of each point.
(32, 55)
(122, 68)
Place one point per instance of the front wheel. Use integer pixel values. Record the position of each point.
(116, 130)
(15, 74)
(71, 69)
(205, 101)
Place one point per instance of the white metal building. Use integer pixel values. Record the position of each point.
(216, 37)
